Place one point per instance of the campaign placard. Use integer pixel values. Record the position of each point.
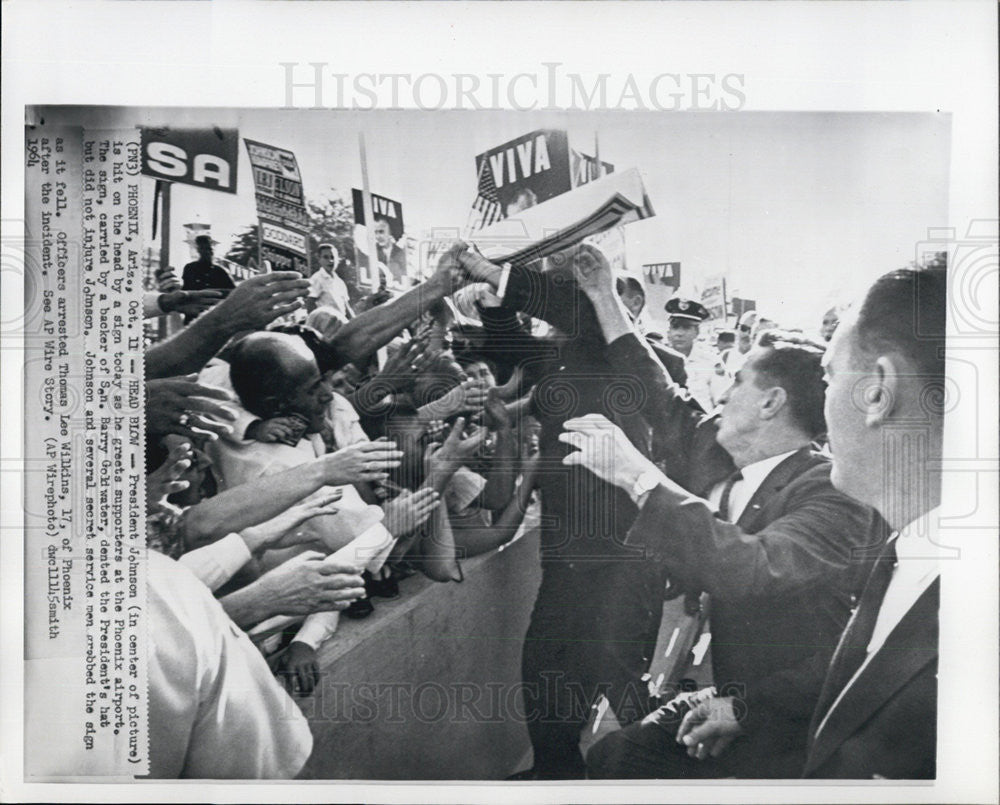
(526, 171)
(206, 158)
(386, 209)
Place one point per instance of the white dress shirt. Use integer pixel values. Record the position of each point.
(744, 489)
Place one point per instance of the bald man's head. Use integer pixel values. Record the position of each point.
(275, 374)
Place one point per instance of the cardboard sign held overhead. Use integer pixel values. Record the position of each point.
(205, 158)
(527, 171)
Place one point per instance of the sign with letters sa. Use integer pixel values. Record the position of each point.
(205, 158)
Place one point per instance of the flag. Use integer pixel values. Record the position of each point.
(486, 204)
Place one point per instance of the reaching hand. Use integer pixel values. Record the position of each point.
(479, 269)
(306, 584)
(164, 480)
(456, 451)
(604, 449)
(256, 302)
(284, 429)
(709, 727)
(449, 272)
(474, 396)
(469, 395)
(509, 391)
(496, 413)
(280, 531)
(364, 461)
(402, 369)
(166, 280)
(182, 406)
(593, 271)
(190, 303)
(298, 668)
(409, 511)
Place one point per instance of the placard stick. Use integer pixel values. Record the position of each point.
(366, 196)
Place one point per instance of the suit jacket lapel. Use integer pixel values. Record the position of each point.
(908, 649)
(776, 480)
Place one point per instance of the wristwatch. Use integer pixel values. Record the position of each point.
(647, 481)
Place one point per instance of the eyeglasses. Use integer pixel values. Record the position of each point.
(745, 328)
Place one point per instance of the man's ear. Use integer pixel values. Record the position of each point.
(774, 400)
(882, 395)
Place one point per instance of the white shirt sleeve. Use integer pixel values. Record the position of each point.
(151, 305)
(216, 564)
(504, 276)
(215, 709)
(317, 629)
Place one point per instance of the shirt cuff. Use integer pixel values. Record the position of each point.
(504, 277)
(151, 305)
(317, 629)
(216, 564)
(370, 548)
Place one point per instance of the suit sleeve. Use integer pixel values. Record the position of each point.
(555, 298)
(812, 539)
(683, 439)
(509, 346)
(787, 695)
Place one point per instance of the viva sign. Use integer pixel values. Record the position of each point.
(527, 171)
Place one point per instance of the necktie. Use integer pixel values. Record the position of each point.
(727, 491)
(853, 647)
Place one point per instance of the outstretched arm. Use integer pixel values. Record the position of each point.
(472, 539)
(252, 306)
(376, 327)
(502, 472)
(679, 430)
(552, 296)
(263, 498)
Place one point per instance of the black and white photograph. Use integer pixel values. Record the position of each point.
(639, 447)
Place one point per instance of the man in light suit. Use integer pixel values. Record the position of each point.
(885, 372)
(773, 544)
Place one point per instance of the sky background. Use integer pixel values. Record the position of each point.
(796, 210)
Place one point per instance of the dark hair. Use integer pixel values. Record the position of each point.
(629, 285)
(905, 312)
(203, 240)
(794, 363)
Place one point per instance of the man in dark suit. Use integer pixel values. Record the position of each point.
(773, 546)
(877, 713)
(596, 616)
(387, 254)
(203, 274)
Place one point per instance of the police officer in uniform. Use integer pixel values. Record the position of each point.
(686, 316)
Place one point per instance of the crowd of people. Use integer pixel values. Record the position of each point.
(308, 447)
